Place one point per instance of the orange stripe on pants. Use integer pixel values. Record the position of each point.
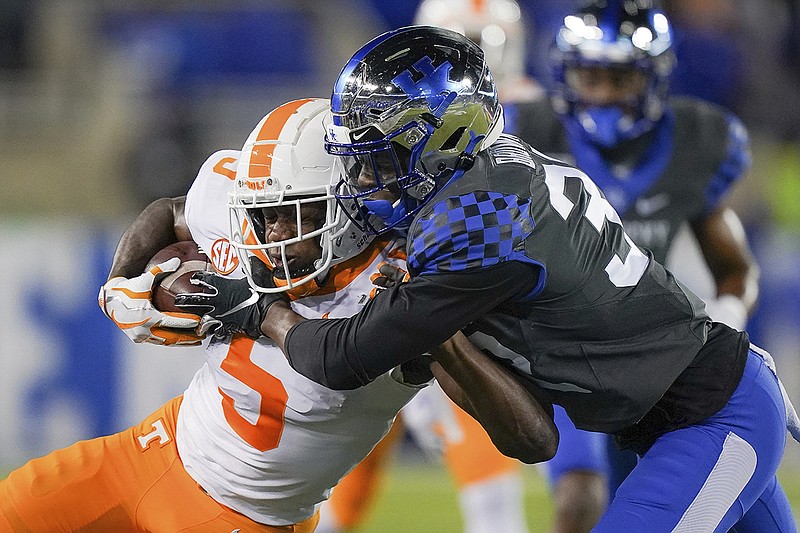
(127, 482)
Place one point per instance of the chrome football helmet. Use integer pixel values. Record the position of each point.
(284, 163)
(409, 111)
(631, 42)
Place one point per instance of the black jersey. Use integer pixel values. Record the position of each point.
(676, 173)
(526, 254)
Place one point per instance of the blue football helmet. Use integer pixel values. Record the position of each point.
(630, 42)
(409, 111)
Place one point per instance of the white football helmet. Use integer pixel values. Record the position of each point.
(284, 163)
(496, 26)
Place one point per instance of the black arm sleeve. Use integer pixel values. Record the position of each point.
(401, 323)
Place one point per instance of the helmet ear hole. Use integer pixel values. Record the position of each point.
(452, 141)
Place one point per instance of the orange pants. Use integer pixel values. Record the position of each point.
(128, 482)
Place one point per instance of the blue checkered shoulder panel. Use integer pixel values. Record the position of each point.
(476, 230)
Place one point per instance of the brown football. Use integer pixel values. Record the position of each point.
(192, 260)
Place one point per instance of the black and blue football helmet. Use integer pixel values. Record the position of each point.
(621, 35)
(409, 112)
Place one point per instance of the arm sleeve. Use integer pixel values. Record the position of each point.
(401, 323)
(736, 162)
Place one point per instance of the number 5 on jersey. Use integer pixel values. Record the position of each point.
(265, 433)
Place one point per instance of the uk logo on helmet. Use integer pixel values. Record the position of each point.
(223, 256)
(434, 84)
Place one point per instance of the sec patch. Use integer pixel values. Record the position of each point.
(223, 256)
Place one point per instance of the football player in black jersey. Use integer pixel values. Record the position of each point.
(664, 164)
(524, 254)
(490, 487)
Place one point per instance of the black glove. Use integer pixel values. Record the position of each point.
(232, 303)
(387, 277)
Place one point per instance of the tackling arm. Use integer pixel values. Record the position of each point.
(724, 245)
(518, 424)
(397, 325)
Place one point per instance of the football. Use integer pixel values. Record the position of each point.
(192, 260)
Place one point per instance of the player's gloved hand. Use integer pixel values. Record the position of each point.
(388, 276)
(229, 305)
(127, 303)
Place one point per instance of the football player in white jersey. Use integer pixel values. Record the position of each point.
(251, 444)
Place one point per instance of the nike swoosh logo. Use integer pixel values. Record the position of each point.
(247, 303)
(647, 206)
(127, 325)
(563, 386)
(358, 136)
(487, 342)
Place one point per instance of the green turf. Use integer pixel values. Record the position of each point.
(420, 497)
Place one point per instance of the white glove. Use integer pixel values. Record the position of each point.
(127, 303)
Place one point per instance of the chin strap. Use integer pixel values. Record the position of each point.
(466, 159)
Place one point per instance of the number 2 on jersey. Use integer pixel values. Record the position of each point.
(265, 434)
(622, 273)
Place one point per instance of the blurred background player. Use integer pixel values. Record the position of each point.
(490, 485)
(665, 164)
